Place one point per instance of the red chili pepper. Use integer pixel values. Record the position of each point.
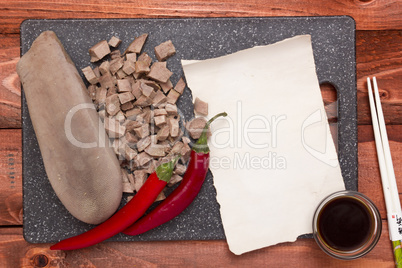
(127, 215)
(185, 193)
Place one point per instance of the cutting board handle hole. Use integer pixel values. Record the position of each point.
(330, 98)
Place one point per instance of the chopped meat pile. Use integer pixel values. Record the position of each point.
(136, 100)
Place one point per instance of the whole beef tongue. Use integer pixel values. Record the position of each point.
(82, 169)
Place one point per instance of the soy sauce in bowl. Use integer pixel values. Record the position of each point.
(347, 225)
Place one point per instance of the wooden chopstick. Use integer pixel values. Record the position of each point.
(390, 189)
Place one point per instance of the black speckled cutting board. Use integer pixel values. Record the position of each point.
(333, 38)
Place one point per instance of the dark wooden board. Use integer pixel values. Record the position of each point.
(46, 220)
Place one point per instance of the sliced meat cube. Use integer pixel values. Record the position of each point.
(141, 67)
(99, 50)
(164, 50)
(136, 89)
(158, 112)
(174, 128)
(123, 85)
(146, 90)
(128, 67)
(100, 96)
(185, 152)
(115, 54)
(173, 96)
(106, 80)
(142, 131)
(143, 101)
(142, 159)
(151, 83)
(146, 115)
(104, 67)
(92, 91)
(125, 97)
(162, 105)
(140, 177)
(159, 98)
(161, 196)
(131, 79)
(180, 86)
(160, 120)
(130, 138)
(97, 72)
(159, 72)
(140, 118)
(166, 86)
(200, 107)
(129, 153)
(131, 125)
(113, 128)
(131, 178)
(124, 174)
(152, 96)
(131, 57)
(174, 179)
(185, 140)
(120, 74)
(180, 169)
(127, 106)
(90, 75)
(119, 117)
(167, 145)
(114, 42)
(118, 147)
(137, 44)
(151, 166)
(196, 126)
(127, 187)
(163, 133)
(143, 143)
(171, 109)
(115, 65)
(132, 114)
(154, 139)
(111, 91)
(176, 149)
(113, 104)
(145, 58)
(155, 150)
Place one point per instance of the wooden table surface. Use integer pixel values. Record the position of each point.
(378, 53)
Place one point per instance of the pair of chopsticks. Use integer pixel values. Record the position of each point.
(390, 189)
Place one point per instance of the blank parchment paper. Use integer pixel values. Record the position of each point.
(272, 157)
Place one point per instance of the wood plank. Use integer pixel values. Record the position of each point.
(10, 91)
(373, 58)
(10, 177)
(369, 15)
(16, 252)
(369, 172)
(378, 54)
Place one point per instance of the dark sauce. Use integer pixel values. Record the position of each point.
(345, 224)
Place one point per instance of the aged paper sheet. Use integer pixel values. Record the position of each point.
(272, 158)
